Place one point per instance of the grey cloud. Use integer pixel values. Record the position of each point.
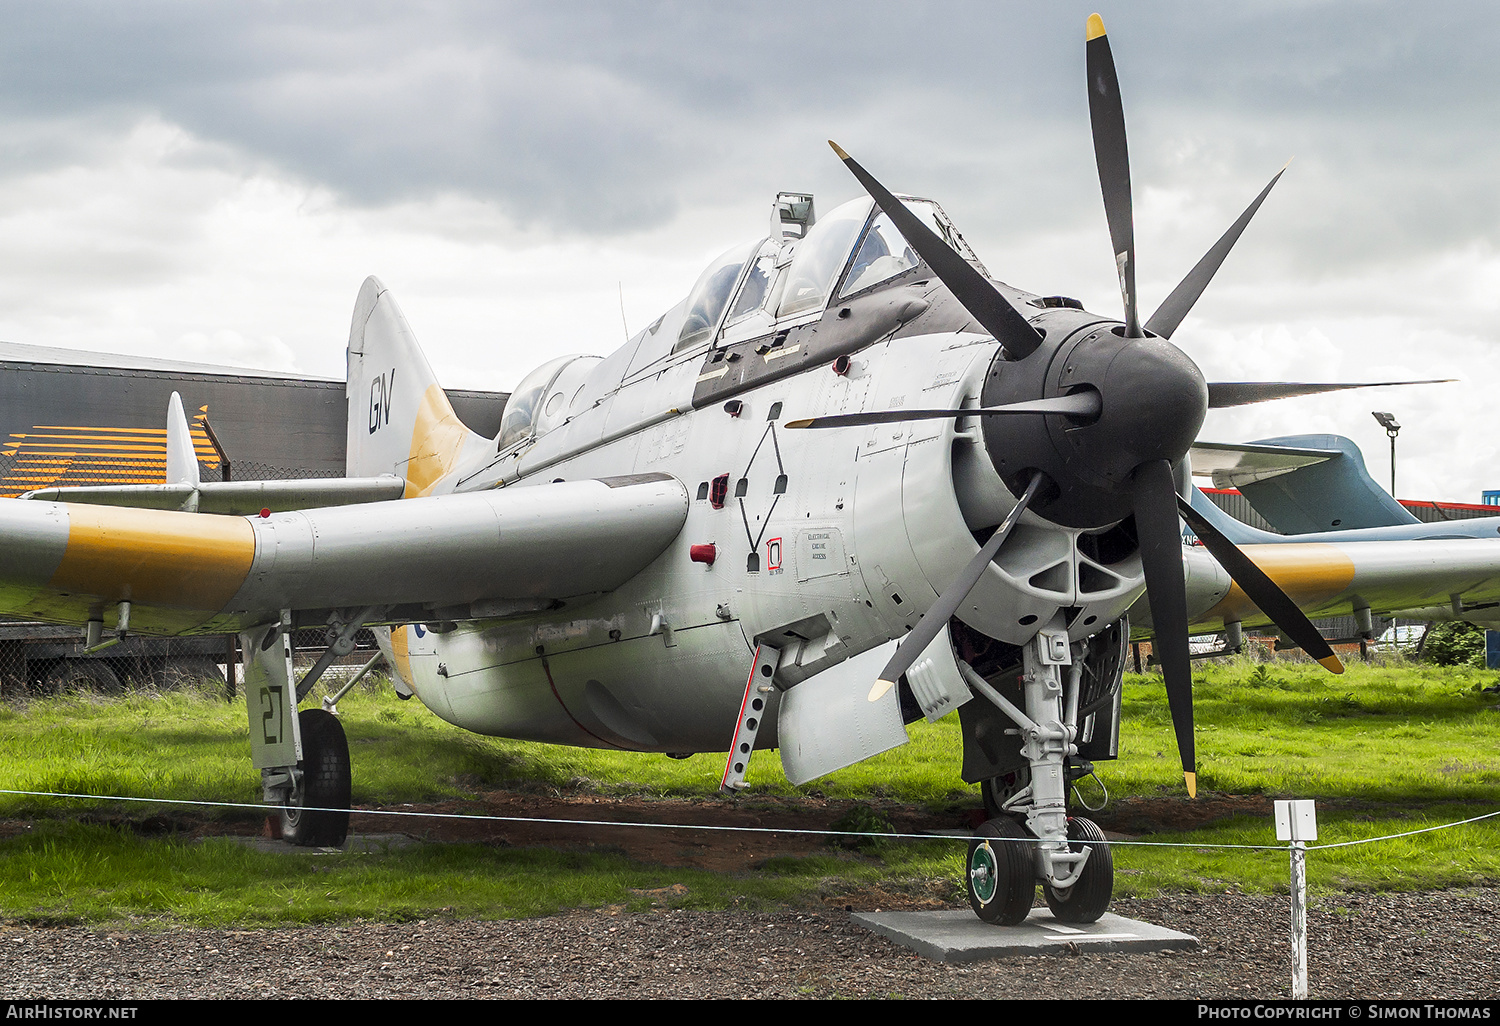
(605, 117)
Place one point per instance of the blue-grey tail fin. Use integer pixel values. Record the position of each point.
(1332, 495)
(1236, 531)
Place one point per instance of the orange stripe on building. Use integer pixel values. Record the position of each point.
(70, 445)
(154, 440)
(1311, 575)
(183, 560)
(77, 427)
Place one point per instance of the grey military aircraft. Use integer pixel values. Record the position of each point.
(848, 435)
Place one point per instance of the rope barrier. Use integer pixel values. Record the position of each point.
(828, 832)
(1408, 833)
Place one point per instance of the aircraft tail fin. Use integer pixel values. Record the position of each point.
(182, 460)
(1229, 527)
(1334, 495)
(400, 420)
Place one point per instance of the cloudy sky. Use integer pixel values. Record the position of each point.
(212, 181)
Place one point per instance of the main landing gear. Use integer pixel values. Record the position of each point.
(303, 757)
(316, 812)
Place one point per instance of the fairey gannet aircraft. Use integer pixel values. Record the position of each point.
(661, 552)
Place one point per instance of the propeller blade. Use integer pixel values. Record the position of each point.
(992, 310)
(1107, 115)
(1080, 404)
(1160, 540)
(1170, 314)
(1222, 394)
(1260, 589)
(952, 597)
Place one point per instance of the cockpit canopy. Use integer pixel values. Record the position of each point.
(749, 291)
(754, 289)
(711, 295)
(544, 399)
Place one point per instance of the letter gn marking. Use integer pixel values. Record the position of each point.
(380, 400)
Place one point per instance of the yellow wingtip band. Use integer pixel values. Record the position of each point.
(1095, 27)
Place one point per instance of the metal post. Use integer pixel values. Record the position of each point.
(213, 439)
(1392, 436)
(1299, 921)
(229, 664)
(1392, 428)
(1297, 822)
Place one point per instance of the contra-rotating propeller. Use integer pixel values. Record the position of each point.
(1126, 403)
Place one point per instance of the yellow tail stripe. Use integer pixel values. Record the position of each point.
(402, 654)
(437, 440)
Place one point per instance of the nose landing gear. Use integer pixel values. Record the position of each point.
(1030, 838)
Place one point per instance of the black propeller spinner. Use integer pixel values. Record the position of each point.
(1119, 407)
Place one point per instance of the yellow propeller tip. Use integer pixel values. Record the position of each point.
(880, 688)
(1095, 27)
(1191, 779)
(804, 422)
(838, 149)
(1332, 664)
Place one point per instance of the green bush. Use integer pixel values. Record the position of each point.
(1455, 643)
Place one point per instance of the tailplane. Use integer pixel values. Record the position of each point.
(400, 421)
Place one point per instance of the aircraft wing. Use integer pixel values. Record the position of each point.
(235, 498)
(476, 555)
(1236, 465)
(1438, 578)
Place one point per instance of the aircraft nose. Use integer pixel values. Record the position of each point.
(1153, 401)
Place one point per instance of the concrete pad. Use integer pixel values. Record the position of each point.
(961, 937)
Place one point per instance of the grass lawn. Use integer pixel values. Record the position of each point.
(1382, 748)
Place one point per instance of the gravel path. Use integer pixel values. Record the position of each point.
(1428, 945)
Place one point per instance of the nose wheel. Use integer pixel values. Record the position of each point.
(1000, 873)
(1086, 900)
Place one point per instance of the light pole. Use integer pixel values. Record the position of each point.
(1392, 429)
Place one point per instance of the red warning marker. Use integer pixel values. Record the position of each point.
(265, 513)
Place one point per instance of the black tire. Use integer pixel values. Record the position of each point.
(325, 785)
(1000, 876)
(994, 791)
(1088, 899)
(93, 675)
